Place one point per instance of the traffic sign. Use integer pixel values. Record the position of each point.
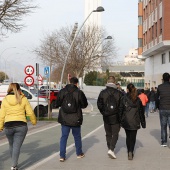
(29, 80)
(29, 70)
(40, 77)
(47, 71)
(40, 82)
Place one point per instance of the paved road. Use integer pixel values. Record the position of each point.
(43, 139)
(41, 147)
(149, 155)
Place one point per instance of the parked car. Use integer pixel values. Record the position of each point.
(43, 104)
(53, 95)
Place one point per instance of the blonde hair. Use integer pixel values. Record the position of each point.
(15, 88)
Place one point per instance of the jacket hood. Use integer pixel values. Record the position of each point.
(71, 87)
(111, 85)
(11, 100)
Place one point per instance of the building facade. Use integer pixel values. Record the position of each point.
(154, 39)
(95, 18)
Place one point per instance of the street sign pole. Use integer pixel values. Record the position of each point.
(37, 74)
(49, 108)
(47, 73)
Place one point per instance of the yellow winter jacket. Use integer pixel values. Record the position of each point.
(11, 111)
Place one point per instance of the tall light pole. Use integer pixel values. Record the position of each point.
(84, 71)
(107, 38)
(4, 51)
(99, 9)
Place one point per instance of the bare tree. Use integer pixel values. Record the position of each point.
(88, 49)
(11, 14)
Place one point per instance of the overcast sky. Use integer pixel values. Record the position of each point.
(120, 20)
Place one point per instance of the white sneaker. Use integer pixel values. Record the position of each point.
(111, 154)
(164, 145)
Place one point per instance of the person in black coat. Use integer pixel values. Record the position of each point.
(73, 120)
(132, 116)
(163, 96)
(111, 121)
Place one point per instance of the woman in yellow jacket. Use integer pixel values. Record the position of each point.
(14, 109)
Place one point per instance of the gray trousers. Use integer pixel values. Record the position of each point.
(112, 134)
(15, 136)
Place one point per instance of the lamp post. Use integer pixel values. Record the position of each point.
(84, 71)
(99, 9)
(4, 51)
(107, 38)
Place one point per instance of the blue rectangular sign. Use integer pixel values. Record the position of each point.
(47, 71)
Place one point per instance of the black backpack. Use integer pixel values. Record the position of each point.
(110, 104)
(69, 104)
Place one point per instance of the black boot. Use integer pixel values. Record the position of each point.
(130, 156)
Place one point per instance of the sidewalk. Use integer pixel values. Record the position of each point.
(149, 155)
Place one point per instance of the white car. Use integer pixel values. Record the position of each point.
(34, 101)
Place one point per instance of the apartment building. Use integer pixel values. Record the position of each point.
(154, 39)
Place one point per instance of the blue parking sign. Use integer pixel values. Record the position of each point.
(47, 71)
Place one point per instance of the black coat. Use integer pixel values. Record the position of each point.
(112, 119)
(163, 95)
(74, 119)
(131, 114)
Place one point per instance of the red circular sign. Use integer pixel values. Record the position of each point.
(29, 70)
(29, 80)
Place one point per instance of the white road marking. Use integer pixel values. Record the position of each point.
(91, 106)
(56, 154)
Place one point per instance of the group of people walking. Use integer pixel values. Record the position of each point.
(119, 109)
(128, 114)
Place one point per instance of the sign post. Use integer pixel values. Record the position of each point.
(47, 73)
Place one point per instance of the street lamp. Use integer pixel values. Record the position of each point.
(99, 9)
(107, 38)
(4, 51)
(84, 71)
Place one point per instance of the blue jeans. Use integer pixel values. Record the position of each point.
(147, 109)
(164, 121)
(152, 106)
(15, 136)
(76, 131)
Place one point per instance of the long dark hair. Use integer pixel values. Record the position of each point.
(132, 92)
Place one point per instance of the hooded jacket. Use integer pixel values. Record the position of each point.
(144, 99)
(111, 87)
(12, 111)
(131, 113)
(73, 119)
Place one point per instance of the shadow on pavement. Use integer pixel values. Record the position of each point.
(36, 153)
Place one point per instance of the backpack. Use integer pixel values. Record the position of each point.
(110, 104)
(69, 104)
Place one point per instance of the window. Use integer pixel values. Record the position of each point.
(152, 32)
(27, 95)
(155, 29)
(140, 42)
(163, 58)
(139, 20)
(160, 26)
